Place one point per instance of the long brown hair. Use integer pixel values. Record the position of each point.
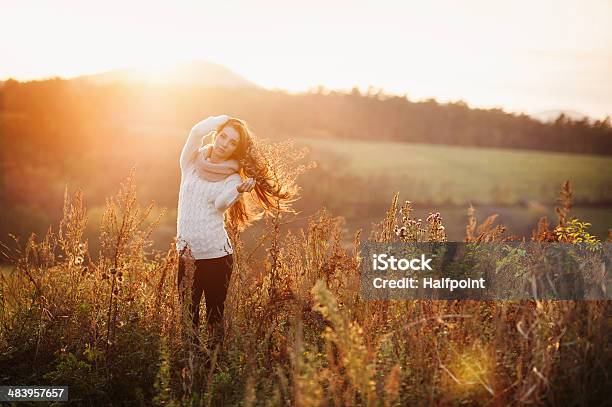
(268, 194)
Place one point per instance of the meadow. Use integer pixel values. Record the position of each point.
(520, 186)
(439, 174)
(110, 326)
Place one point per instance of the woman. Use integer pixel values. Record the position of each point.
(214, 178)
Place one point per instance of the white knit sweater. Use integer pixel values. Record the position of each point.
(201, 203)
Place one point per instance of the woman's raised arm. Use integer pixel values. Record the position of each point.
(195, 135)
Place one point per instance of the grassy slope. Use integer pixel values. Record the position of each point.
(467, 174)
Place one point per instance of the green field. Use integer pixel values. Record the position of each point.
(460, 175)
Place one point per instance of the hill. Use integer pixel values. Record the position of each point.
(186, 73)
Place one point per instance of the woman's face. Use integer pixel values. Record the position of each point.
(226, 142)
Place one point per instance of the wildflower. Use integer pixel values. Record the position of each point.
(401, 231)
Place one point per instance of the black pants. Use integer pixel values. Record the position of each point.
(211, 277)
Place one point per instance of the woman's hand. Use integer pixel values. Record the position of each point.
(246, 186)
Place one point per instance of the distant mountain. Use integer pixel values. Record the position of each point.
(190, 73)
(552, 115)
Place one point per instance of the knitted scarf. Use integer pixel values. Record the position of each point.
(211, 171)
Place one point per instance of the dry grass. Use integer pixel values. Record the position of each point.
(298, 333)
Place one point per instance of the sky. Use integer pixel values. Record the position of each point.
(523, 56)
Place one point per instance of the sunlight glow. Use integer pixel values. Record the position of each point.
(522, 56)
(471, 370)
(155, 73)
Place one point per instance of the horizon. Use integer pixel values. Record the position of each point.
(522, 58)
(153, 77)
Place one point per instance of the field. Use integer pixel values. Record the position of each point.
(459, 175)
(521, 186)
(297, 333)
